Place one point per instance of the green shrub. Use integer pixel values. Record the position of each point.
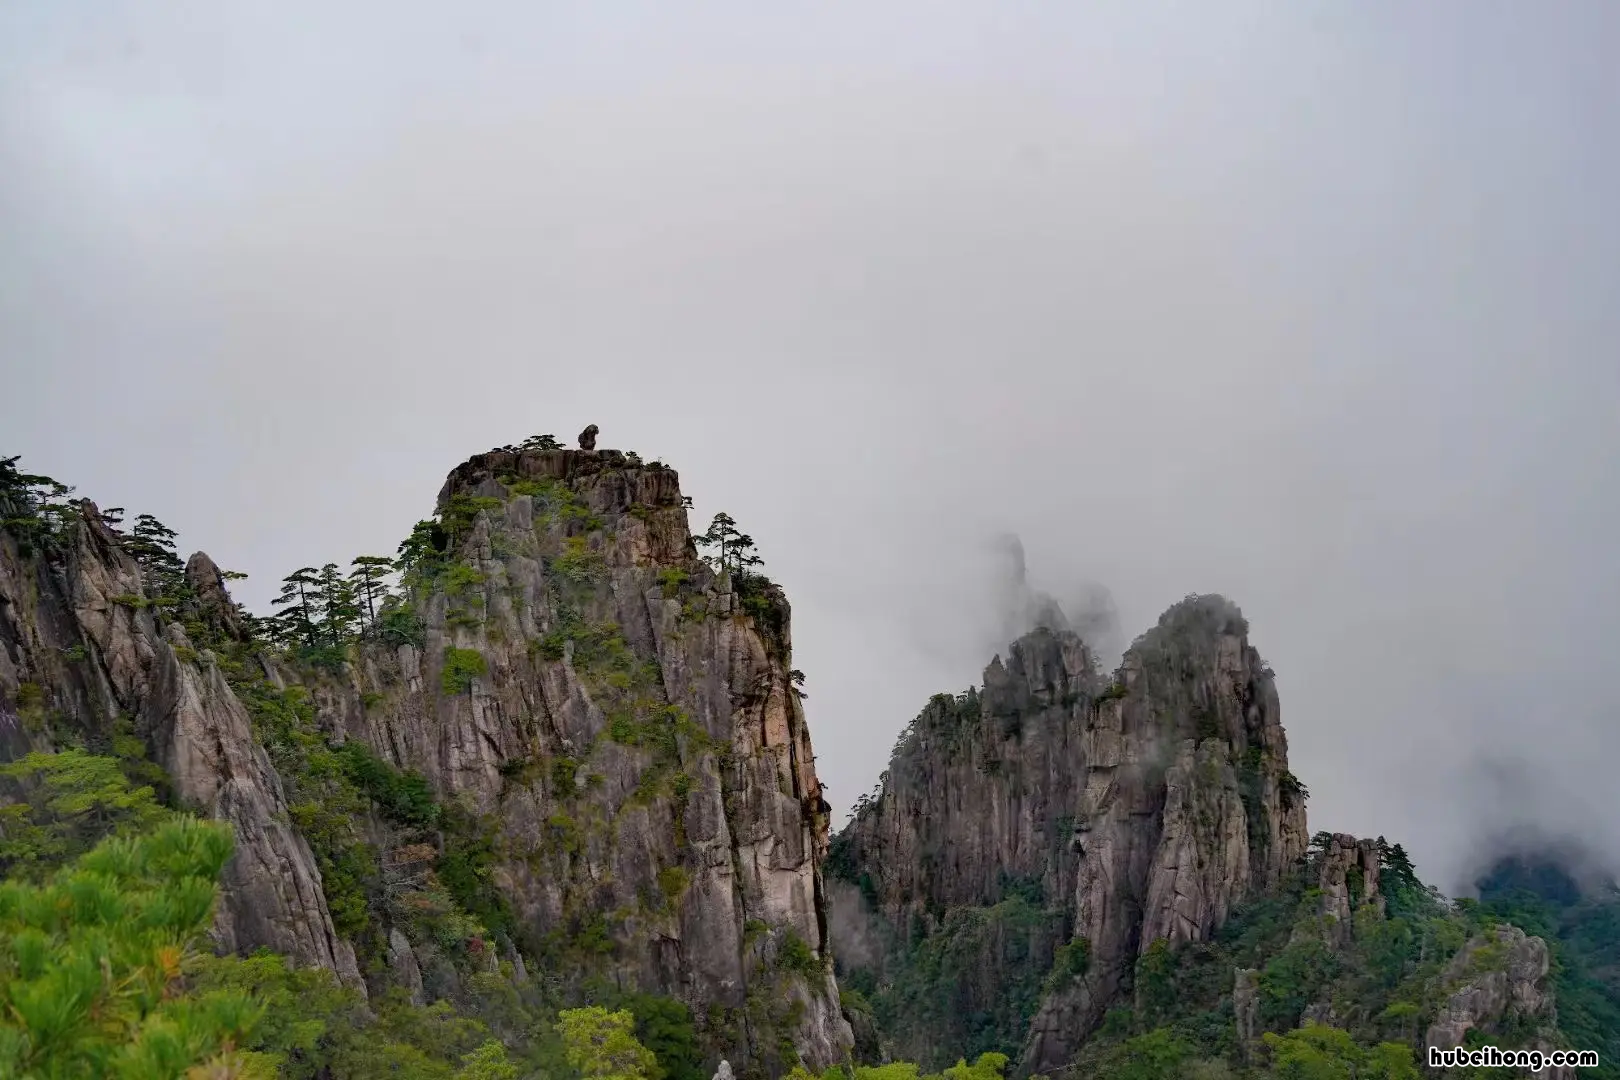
(1070, 962)
(461, 667)
(92, 962)
(398, 626)
(794, 954)
(672, 882)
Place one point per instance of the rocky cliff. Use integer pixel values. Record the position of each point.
(628, 717)
(1139, 809)
(85, 656)
(566, 714)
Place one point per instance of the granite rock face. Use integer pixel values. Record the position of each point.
(1348, 879)
(1495, 977)
(76, 633)
(1148, 805)
(629, 719)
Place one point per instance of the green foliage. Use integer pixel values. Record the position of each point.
(91, 963)
(404, 796)
(1316, 1052)
(322, 798)
(795, 954)
(1155, 1055)
(1290, 787)
(489, 1062)
(423, 555)
(672, 882)
(314, 1029)
(733, 550)
(461, 578)
(602, 1045)
(398, 625)
(969, 987)
(33, 509)
(368, 577)
(56, 807)
(163, 575)
(1114, 691)
(461, 667)
(459, 513)
(665, 1026)
(1292, 980)
(578, 564)
(1583, 933)
(1069, 963)
(1155, 986)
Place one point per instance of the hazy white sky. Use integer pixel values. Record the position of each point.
(1311, 304)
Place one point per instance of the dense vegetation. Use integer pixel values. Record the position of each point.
(970, 980)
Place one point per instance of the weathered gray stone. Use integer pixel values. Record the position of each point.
(1495, 976)
(738, 841)
(199, 732)
(1151, 803)
(1246, 1010)
(402, 961)
(1347, 876)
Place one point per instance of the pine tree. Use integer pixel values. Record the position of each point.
(541, 442)
(422, 552)
(152, 544)
(743, 557)
(33, 508)
(300, 595)
(721, 534)
(339, 609)
(91, 981)
(370, 581)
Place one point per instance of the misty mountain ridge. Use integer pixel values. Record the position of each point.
(543, 777)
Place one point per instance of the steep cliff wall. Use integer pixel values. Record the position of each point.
(628, 717)
(568, 730)
(1145, 807)
(83, 656)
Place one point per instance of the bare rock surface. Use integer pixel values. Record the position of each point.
(1150, 803)
(88, 599)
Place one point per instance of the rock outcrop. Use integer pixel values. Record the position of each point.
(1497, 977)
(1148, 805)
(629, 719)
(1347, 879)
(77, 635)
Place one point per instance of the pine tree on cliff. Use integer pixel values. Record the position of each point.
(743, 556)
(33, 508)
(724, 537)
(300, 595)
(422, 552)
(152, 544)
(370, 581)
(339, 608)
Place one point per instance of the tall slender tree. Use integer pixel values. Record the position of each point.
(722, 532)
(152, 544)
(338, 607)
(369, 578)
(301, 597)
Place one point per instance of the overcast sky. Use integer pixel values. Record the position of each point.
(1314, 305)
